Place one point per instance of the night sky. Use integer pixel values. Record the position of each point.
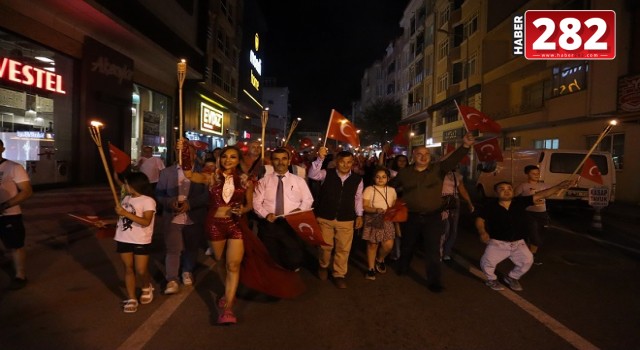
(320, 48)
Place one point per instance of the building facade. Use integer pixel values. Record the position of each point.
(70, 62)
(459, 51)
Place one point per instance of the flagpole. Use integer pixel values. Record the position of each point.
(294, 124)
(603, 134)
(264, 118)
(182, 72)
(94, 130)
(328, 128)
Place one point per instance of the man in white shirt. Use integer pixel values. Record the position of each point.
(15, 188)
(150, 165)
(277, 194)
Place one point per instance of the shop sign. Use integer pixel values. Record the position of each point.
(452, 135)
(417, 140)
(31, 76)
(211, 119)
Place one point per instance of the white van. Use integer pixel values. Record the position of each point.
(555, 166)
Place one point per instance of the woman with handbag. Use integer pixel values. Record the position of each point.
(378, 232)
(452, 189)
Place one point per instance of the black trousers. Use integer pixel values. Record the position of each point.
(430, 228)
(282, 243)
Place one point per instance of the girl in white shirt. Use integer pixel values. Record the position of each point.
(133, 238)
(378, 233)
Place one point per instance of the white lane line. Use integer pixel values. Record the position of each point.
(554, 325)
(595, 239)
(143, 334)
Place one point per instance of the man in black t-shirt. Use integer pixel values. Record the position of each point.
(502, 226)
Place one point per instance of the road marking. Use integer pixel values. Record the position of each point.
(554, 325)
(143, 334)
(596, 239)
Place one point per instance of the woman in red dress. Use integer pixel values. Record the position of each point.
(246, 259)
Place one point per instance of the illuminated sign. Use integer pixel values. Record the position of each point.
(31, 134)
(211, 119)
(256, 63)
(31, 76)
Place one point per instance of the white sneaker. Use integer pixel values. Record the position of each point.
(187, 278)
(172, 288)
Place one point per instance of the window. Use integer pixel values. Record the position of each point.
(457, 73)
(391, 68)
(569, 78)
(614, 144)
(444, 16)
(566, 163)
(532, 96)
(472, 64)
(443, 82)
(428, 59)
(546, 144)
(471, 26)
(443, 49)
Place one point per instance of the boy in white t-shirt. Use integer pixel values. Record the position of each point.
(15, 188)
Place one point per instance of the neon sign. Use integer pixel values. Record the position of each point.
(31, 76)
(211, 119)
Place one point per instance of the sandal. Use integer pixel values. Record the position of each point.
(147, 295)
(130, 306)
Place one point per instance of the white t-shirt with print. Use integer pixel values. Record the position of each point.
(128, 231)
(11, 173)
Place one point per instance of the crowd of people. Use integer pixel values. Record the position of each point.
(237, 202)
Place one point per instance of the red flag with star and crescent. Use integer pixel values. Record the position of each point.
(341, 129)
(591, 172)
(119, 159)
(451, 147)
(488, 150)
(476, 120)
(306, 226)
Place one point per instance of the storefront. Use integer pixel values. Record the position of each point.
(36, 108)
(209, 118)
(150, 124)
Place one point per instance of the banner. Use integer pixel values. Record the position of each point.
(306, 226)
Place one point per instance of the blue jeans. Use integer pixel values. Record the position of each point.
(182, 243)
(430, 228)
(451, 230)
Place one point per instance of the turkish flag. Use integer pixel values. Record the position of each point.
(401, 137)
(305, 142)
(488, 150)
(306, 226)
(294, 156)
(476, 120)
(107, 231)
(591, 172)
(119, 159)
(199, 145)
(341, 129)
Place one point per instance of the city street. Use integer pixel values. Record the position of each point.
(585, 296)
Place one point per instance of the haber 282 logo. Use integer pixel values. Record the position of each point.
(565, 35)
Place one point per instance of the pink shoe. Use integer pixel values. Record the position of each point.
(227, 317)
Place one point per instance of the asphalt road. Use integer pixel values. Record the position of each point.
(584, 296)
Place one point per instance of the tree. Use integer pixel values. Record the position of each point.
(379, 121)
